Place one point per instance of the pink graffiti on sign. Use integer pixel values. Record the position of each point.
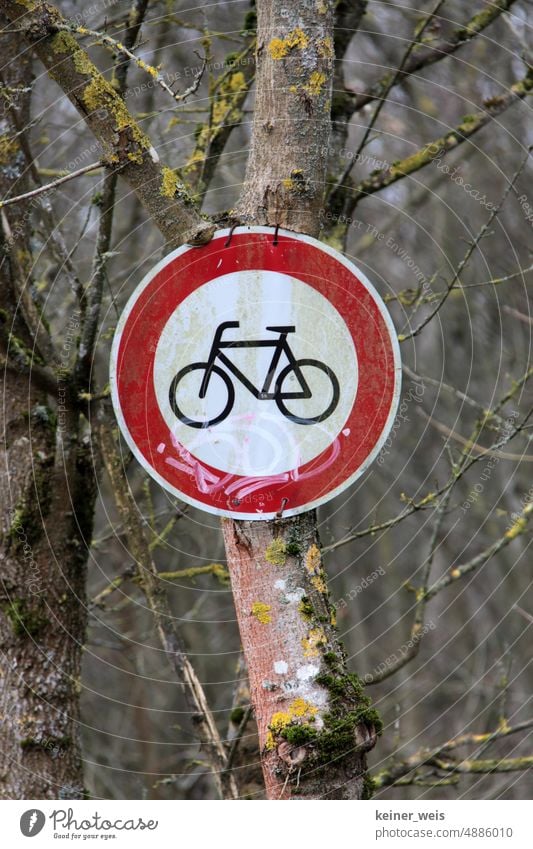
(208, 482)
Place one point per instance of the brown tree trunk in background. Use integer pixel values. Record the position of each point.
(314, 723)
(45, 479)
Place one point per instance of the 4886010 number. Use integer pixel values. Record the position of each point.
(488, 832)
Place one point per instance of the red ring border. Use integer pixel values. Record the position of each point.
(160, 294)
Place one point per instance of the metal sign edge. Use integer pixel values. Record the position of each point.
(228, 514)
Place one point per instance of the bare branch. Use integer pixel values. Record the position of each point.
(32, 319)
(436, 52)
(409, 297)
(518, 528)
(472, 767)
(419, 32)
(432, 151)
(104, 110)
(49, 186)
(92, 299)
(433, 756)
(524, 613)
(470, 250)
(227, 99)
(519, 315)
(136, 15)
(424, 593)
(474, 448)
(216, 569)
(428, 501)
(124, 50)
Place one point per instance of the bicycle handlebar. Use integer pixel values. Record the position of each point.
(288, 329)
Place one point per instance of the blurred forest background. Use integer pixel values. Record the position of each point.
(474, 671)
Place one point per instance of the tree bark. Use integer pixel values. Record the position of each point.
(45, 478)
(314, 722)
(286, 167)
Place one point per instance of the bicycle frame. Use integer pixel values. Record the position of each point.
(280, 345)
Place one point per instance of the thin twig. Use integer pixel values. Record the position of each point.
(438, 51)
(415, 41)
(115, 45)
(470, 250)
(49, 186)
(429, 500)
(235, 743)
(454, 137)
(524, 613)
(396, 772)
(517, 314)
(478, 449)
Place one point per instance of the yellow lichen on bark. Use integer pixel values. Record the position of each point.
(281, 47)
(169, 182)
(224, 110)
(313, 564)
(315, 83)
(325, 48)
(220, 110)
(64, 42)
(148, 68)
(276, 552)
(261, 611)
(298, 712)
(100, 94)
(319, 584)
(235, 82)
(316, 638)
(313, 559)
(521, 523)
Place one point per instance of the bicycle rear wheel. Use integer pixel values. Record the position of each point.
(185, 401)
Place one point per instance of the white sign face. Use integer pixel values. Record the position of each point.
(246, 425)
(255, 375)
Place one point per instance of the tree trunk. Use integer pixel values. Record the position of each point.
(314, 722)
(45, 479)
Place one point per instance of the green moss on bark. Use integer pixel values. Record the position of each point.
(25, 620)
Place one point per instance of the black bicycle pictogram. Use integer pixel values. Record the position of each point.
(284, 386)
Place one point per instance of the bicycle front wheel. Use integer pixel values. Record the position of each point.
(185, 401)
(323, 396)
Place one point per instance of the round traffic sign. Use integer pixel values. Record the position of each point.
(256, 374)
